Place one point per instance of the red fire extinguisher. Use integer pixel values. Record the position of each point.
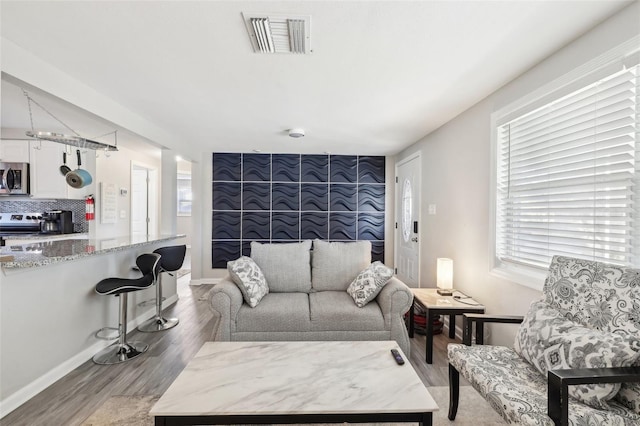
(90, 208)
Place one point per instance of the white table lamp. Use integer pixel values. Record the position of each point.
(445, 276)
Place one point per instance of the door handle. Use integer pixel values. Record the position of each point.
(414, 239)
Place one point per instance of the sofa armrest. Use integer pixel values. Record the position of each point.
(225, 300)
(558, 382)
(480, 319)
(395, 298)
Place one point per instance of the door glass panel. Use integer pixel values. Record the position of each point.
(406, 210)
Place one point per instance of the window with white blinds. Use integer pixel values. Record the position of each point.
(567, 177)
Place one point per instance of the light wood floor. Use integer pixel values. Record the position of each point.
(73, 398)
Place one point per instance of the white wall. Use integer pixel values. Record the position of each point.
(183, 224)
(168, 191)
(117, 169)
(201, 185)
(456, 177)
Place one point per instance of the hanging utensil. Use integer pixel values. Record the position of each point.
(78, 178)
(64, 169)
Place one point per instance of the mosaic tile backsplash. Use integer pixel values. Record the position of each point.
(10, 205)
(294, 197)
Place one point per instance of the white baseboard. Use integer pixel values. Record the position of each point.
(18, 398)
(202, 281)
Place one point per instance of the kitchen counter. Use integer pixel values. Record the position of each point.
(31, 255)
(48, 300)
(38, 236)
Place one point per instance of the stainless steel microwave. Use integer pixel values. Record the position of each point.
(14, 178)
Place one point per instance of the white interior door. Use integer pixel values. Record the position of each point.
(139, 200)
(407, 241)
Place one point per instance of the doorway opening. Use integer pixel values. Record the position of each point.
(144, 200)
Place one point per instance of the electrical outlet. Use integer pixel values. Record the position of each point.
(432, 209)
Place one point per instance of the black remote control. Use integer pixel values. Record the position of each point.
(397, 356)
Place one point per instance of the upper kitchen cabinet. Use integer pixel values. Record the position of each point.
(47, 180)
(14, 151)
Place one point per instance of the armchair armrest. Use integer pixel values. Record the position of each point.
(558, 382)
(480, 319)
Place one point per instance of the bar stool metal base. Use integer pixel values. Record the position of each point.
(158, 323)
(117, 353)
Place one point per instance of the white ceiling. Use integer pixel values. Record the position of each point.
(50, 113)
(381, 76)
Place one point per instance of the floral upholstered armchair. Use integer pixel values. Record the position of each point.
(576, 356)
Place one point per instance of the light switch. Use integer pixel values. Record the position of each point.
(432, 209)
(123, 214)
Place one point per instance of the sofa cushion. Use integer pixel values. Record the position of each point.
(246, 274)
(335, 311)
(276, 311)
(335, 265)
(286, 266)
(366, 286)
(518, 392)
(550, 341)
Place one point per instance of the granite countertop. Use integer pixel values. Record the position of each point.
(38, 236)
(55, 251)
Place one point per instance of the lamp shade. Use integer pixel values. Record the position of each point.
(445, 273)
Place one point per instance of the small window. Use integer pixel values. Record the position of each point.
(184, 194)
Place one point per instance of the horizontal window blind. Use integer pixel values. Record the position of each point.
(566, 178)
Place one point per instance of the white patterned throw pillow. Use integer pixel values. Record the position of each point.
(366, 286)
(246, 274)
(548, 340)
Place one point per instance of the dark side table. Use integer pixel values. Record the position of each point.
(436, 305)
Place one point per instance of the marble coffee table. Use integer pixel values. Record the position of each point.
(295, 382)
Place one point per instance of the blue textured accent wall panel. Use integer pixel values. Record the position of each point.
(294, 197)
(256, 196)
(314, 197)
(227, 167)
(285, 196)
(286, 167)
(256, 167)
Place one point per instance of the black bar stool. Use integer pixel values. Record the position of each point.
(171, 260)
(121, 351)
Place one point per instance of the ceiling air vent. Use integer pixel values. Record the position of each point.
(279, 34)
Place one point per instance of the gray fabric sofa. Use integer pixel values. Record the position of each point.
(307, 298)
